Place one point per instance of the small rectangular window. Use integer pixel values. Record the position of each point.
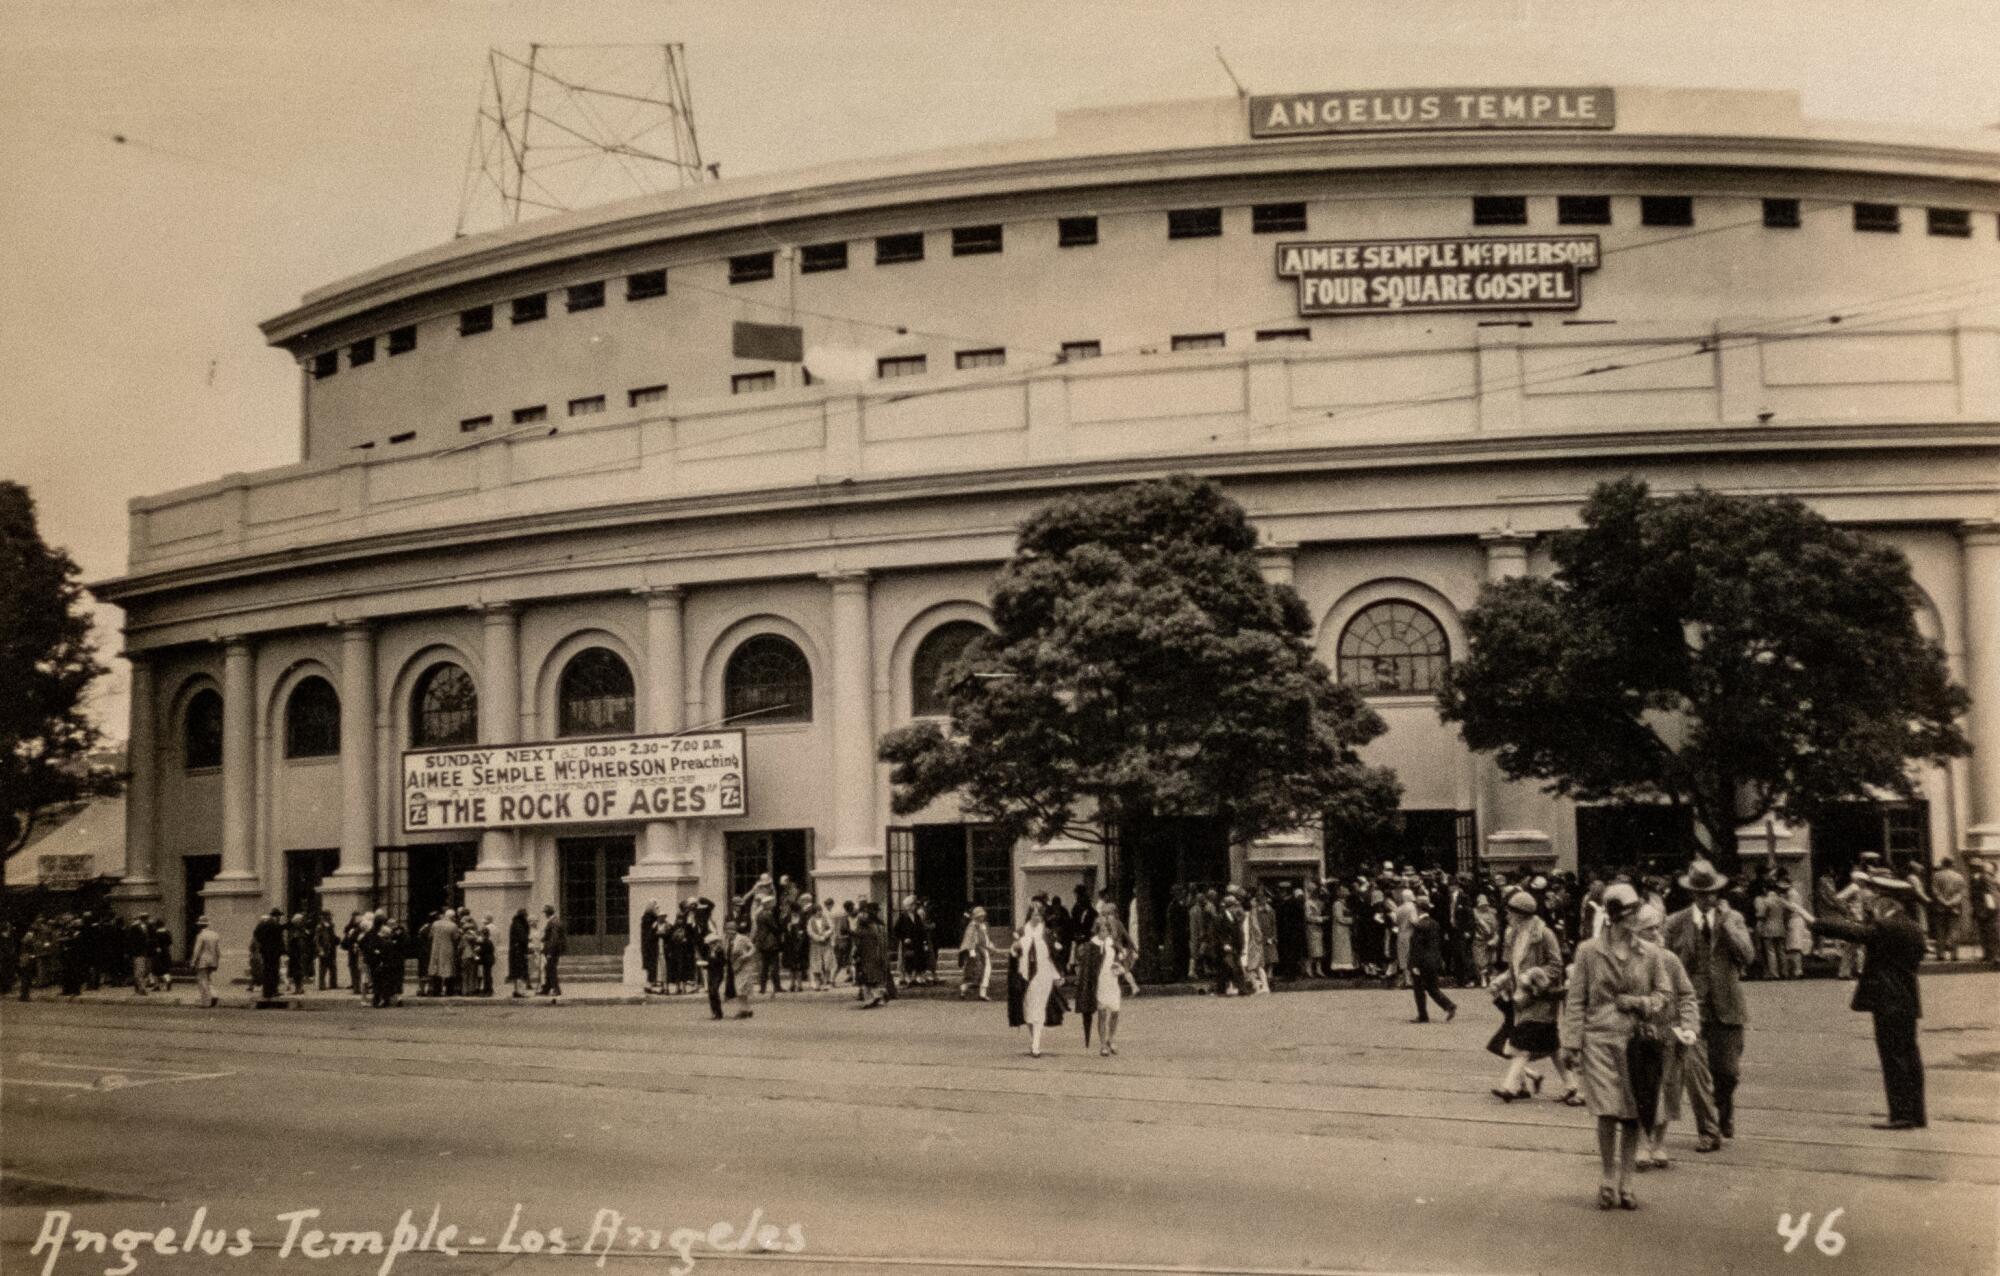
(971, 241)
(588, 406)
(1781, 214)
(751, 267)
(752, 382)
(361, 352)
(588, 296)
(1277, 219)
(474, 424)
(814, 258)
(530, 309)
(475, 321)
(1194, 223)
(1884, 218)
(1499, 210)
(1199, 341)
(996, 357)
(528, 416)
(909, 365)
(1072, 350)
(891, 249)
(404, 437)
(1076, 232)
(402, 340)
(1666, 210)
(644, 395)
(1583, 210)
(1284, 334)
(325, 365)
(1953, 222)
(645, 284)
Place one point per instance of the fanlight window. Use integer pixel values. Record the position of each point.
(444, 708)
(940, 649)
(595, 696)
(312, 720)
(1393, 647)
(201, 730)
(768, 680)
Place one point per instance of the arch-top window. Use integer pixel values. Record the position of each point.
(201, 730)
(444, 708)
(1393, 647)
(312, 719)
(939, 650)
(768, 676)
(595, 696)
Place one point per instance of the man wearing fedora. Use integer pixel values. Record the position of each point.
(207, 957)
(1894, 944)
(1714, 945)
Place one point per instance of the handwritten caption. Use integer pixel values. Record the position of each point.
(1827, 1241)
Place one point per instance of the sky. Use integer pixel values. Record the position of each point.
(274, 147)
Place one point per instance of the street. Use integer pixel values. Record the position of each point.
(1298, 1132)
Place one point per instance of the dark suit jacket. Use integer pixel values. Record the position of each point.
(1717, 972)
(1426, 946)
(1888, 983)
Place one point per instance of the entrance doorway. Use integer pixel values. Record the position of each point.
(1423, 839)
(1651, 838)
(1898, 831)
(304, 870)
(1156, 854)
(957, 867)
(780, 852)
(414, 882)
(196, 873)
(595, 903)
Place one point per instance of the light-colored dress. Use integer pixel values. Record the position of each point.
(1035, 956)
(1110, 996)
(1608, 995)
(1343, 935)
(1315, 930)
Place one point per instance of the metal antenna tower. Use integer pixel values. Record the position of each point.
(571, 125)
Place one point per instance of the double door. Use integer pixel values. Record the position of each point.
(595, 902)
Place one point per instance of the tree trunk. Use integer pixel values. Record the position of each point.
(1722, 848)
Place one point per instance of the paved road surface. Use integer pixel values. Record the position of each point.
(1307, 1132)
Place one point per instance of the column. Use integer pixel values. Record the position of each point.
(139, 892)
(234, 898)
(1982, 678)
(499, 884)
(1515, 818)
(663, 872)
(850, 866)
(352, 885)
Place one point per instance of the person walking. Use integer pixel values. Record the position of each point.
(819, 934)
(1099, 992)
(1427, 962)
(555, 942)
(269, 938)
(1032, 977)
(1714, 945)
(1684, 1062)
(299, 951)
(442, 974)
(1618, 986)
(1887, 989)
(206, 960)
(871, 957)
(975, 956)
(1533, 983)
(1770, 909)
(138, 939)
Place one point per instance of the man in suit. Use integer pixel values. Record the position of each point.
(1887, 989)
(269, 936)
(1714, 944)
(554, 942)
(207, 958)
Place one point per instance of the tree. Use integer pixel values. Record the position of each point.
(47, 663)
(1737, 657)
(1143, 668)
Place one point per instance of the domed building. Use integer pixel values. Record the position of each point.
(741, 462)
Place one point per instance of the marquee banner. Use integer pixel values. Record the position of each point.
(1393, 276)
(1430, 110)
(645, 777)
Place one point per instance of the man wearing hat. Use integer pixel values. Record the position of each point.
(206, 959)
(1895, 945)
(1714, 945)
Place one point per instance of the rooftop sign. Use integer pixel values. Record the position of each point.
(1430, 110)
(1481, 272)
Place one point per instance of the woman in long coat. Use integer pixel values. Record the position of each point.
(1315, 911)
(1342, 947)
(518, 939)
(444, 955)
(1678, 1025)
(1533, 976)
(975, 955)
(871, 957)
(1618, 983)
(1032, 977)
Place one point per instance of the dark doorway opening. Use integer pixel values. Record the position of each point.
(1444, 840)
(414, 882)
(596, 906)
(955, 867)
(1652, 838)
(1900, 832)
(1154, 855)
(780, 852)
(196, 873)
(304, 870)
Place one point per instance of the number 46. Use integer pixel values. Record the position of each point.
(1829, 1241)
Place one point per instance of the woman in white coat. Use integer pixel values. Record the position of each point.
(1031, 982)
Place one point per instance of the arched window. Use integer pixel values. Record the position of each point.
(201, 730)
(768, 676)
(938, 651)
(444, 708)
(1393, 647)
(595, 696)
(312, 720)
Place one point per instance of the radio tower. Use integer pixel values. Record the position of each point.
(572, 125)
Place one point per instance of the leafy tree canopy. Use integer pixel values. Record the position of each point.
(1741, 656)
(1143, 667)
(46, 665)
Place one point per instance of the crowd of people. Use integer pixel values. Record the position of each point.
(86, 950)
